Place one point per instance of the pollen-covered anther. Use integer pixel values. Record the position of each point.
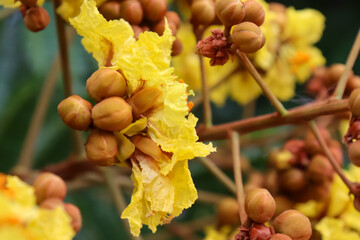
(48, 185)
(145, 100)
(36, 18)
(147, 146)
(75, 112)
(104, 83)
(154, 10)
(248, 37)
(75, 214)
(101, 147)
(230, 12)
(254, 12)
(110, 10)
(260, 205)
(131, 11)
(202, 12)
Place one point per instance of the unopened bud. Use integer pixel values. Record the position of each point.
(131, 11)
(154, 10)
(75, 215)
(202, 12)
(354, 102)
(254, 12)
(101, 147)
(230, 12)
(334, 73)
(159, 27)
(49, 185)
(137, 30)
(174, 18)
(282, 204)
(294, 224)
(292, 180)
(259, 205)
(312, 145)
(147, 146)
(29, 3)
(51, 203)
(145, 100)
(259, 232)
(320, 169)
(104, 83)
(354, 153)
(75, 112)
(353, 83)
(228, 212)
(248, 37)
(280, 236)
(36, 19)
(176, 47)
(110, 10)
(112, 114)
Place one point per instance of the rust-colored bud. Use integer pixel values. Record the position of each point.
(131, 11)
(312, 145)
(280, 236)
(174, 18)
(254, 12)
(259, 232)
(112, 114)
(354, 153)
(320, 169)
(230, 12)
(357, 203)
(75, 112)
(202, 12)
(104, 83)
(110, 10)
(294, 224)
(147, 146)
(318, 192)
(48, 185)
(271, 182)
(228, 212)
(354, 102)
(292, 180)
(334, 73)
(248, 37)
(353, 83)
(51, 203)
(282, 204)
(154, 10)
(259, 205)
(145, 100)
(75, 214)
(159, 27)
(29, 3)
(101, 147)
(36, 19)
(176, 47)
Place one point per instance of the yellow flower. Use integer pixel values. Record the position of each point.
(211, 233)
(163, 186)
(334, 229)
(15, 3)
(71, 8)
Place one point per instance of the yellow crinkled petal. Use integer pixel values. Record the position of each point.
(135, 127)
(71, 8)
(351, 218)
(334, 229)
(105, 40)
(23, 193)
(126, 149)
(339, 198)
(311, 209)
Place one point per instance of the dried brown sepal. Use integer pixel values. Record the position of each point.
(259, 232)
(48, 185)
(36, 18)
(248, 37)
(230, 12)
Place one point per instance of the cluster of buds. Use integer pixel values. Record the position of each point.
(245, 20)
(302, 171)
(113, 112)
(325, 79)
(144, 15)
(35, 17)
(50, 191)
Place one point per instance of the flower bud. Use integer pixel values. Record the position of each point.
(131, 11)
(336, 150)
(334, 73)
(228, 212)
(174, 18)
(294, 224)
(48, 185)
(259, 205)
(101, 147)
(282, 204)
(75, 112)
(254, 12)
(312, 145)
(280, 236)
(145, 100)
(112, 114)
(75, 215)
(353, 83)
(271, 182)
(202, 12)
(36, 19)
(292, 180)
(104, 83)
(354, 153)
(51, 203)
(159, 27)
(147, 146)
(230, 12)
(318, 192)
(248, 37)
(259, 232)
(154, 10)
(354, 102)
(110, 10)
(176, 47)
(29, 3)
(320, 169)
(137, 30)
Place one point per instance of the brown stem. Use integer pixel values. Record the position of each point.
(340, 88)
(235, 147)
(252, 70)
(296, 115)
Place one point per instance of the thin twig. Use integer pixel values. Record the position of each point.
(340, 88)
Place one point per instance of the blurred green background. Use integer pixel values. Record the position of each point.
(25, 59)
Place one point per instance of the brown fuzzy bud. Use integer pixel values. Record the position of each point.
(112, 114)
(248, 37)
(104, 83)
(75, 215)
(320, 169)
(154, 10)
(334, 73)
(318, 192)
(282, 204)
(254, 12)
(202, 12)
(176, 47)
(145, 100)
(259, 205)
(51, 203)
(29, 3)
(312, 145)
(294, 224)
(101, 147)
(48, 185)
(259, 232)
(292, 180)
(75, 112)
(271, 182)
(280, 236)
(147, 146)
(159, 27)
(230, 12)
(228, 212)
(36, 19)
(354, 102)
(131, 11)
(353, 83)
(354, 153)
(110, 10)
(174, 18)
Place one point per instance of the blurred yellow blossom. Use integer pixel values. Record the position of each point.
(16, 3)
(71, 8)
